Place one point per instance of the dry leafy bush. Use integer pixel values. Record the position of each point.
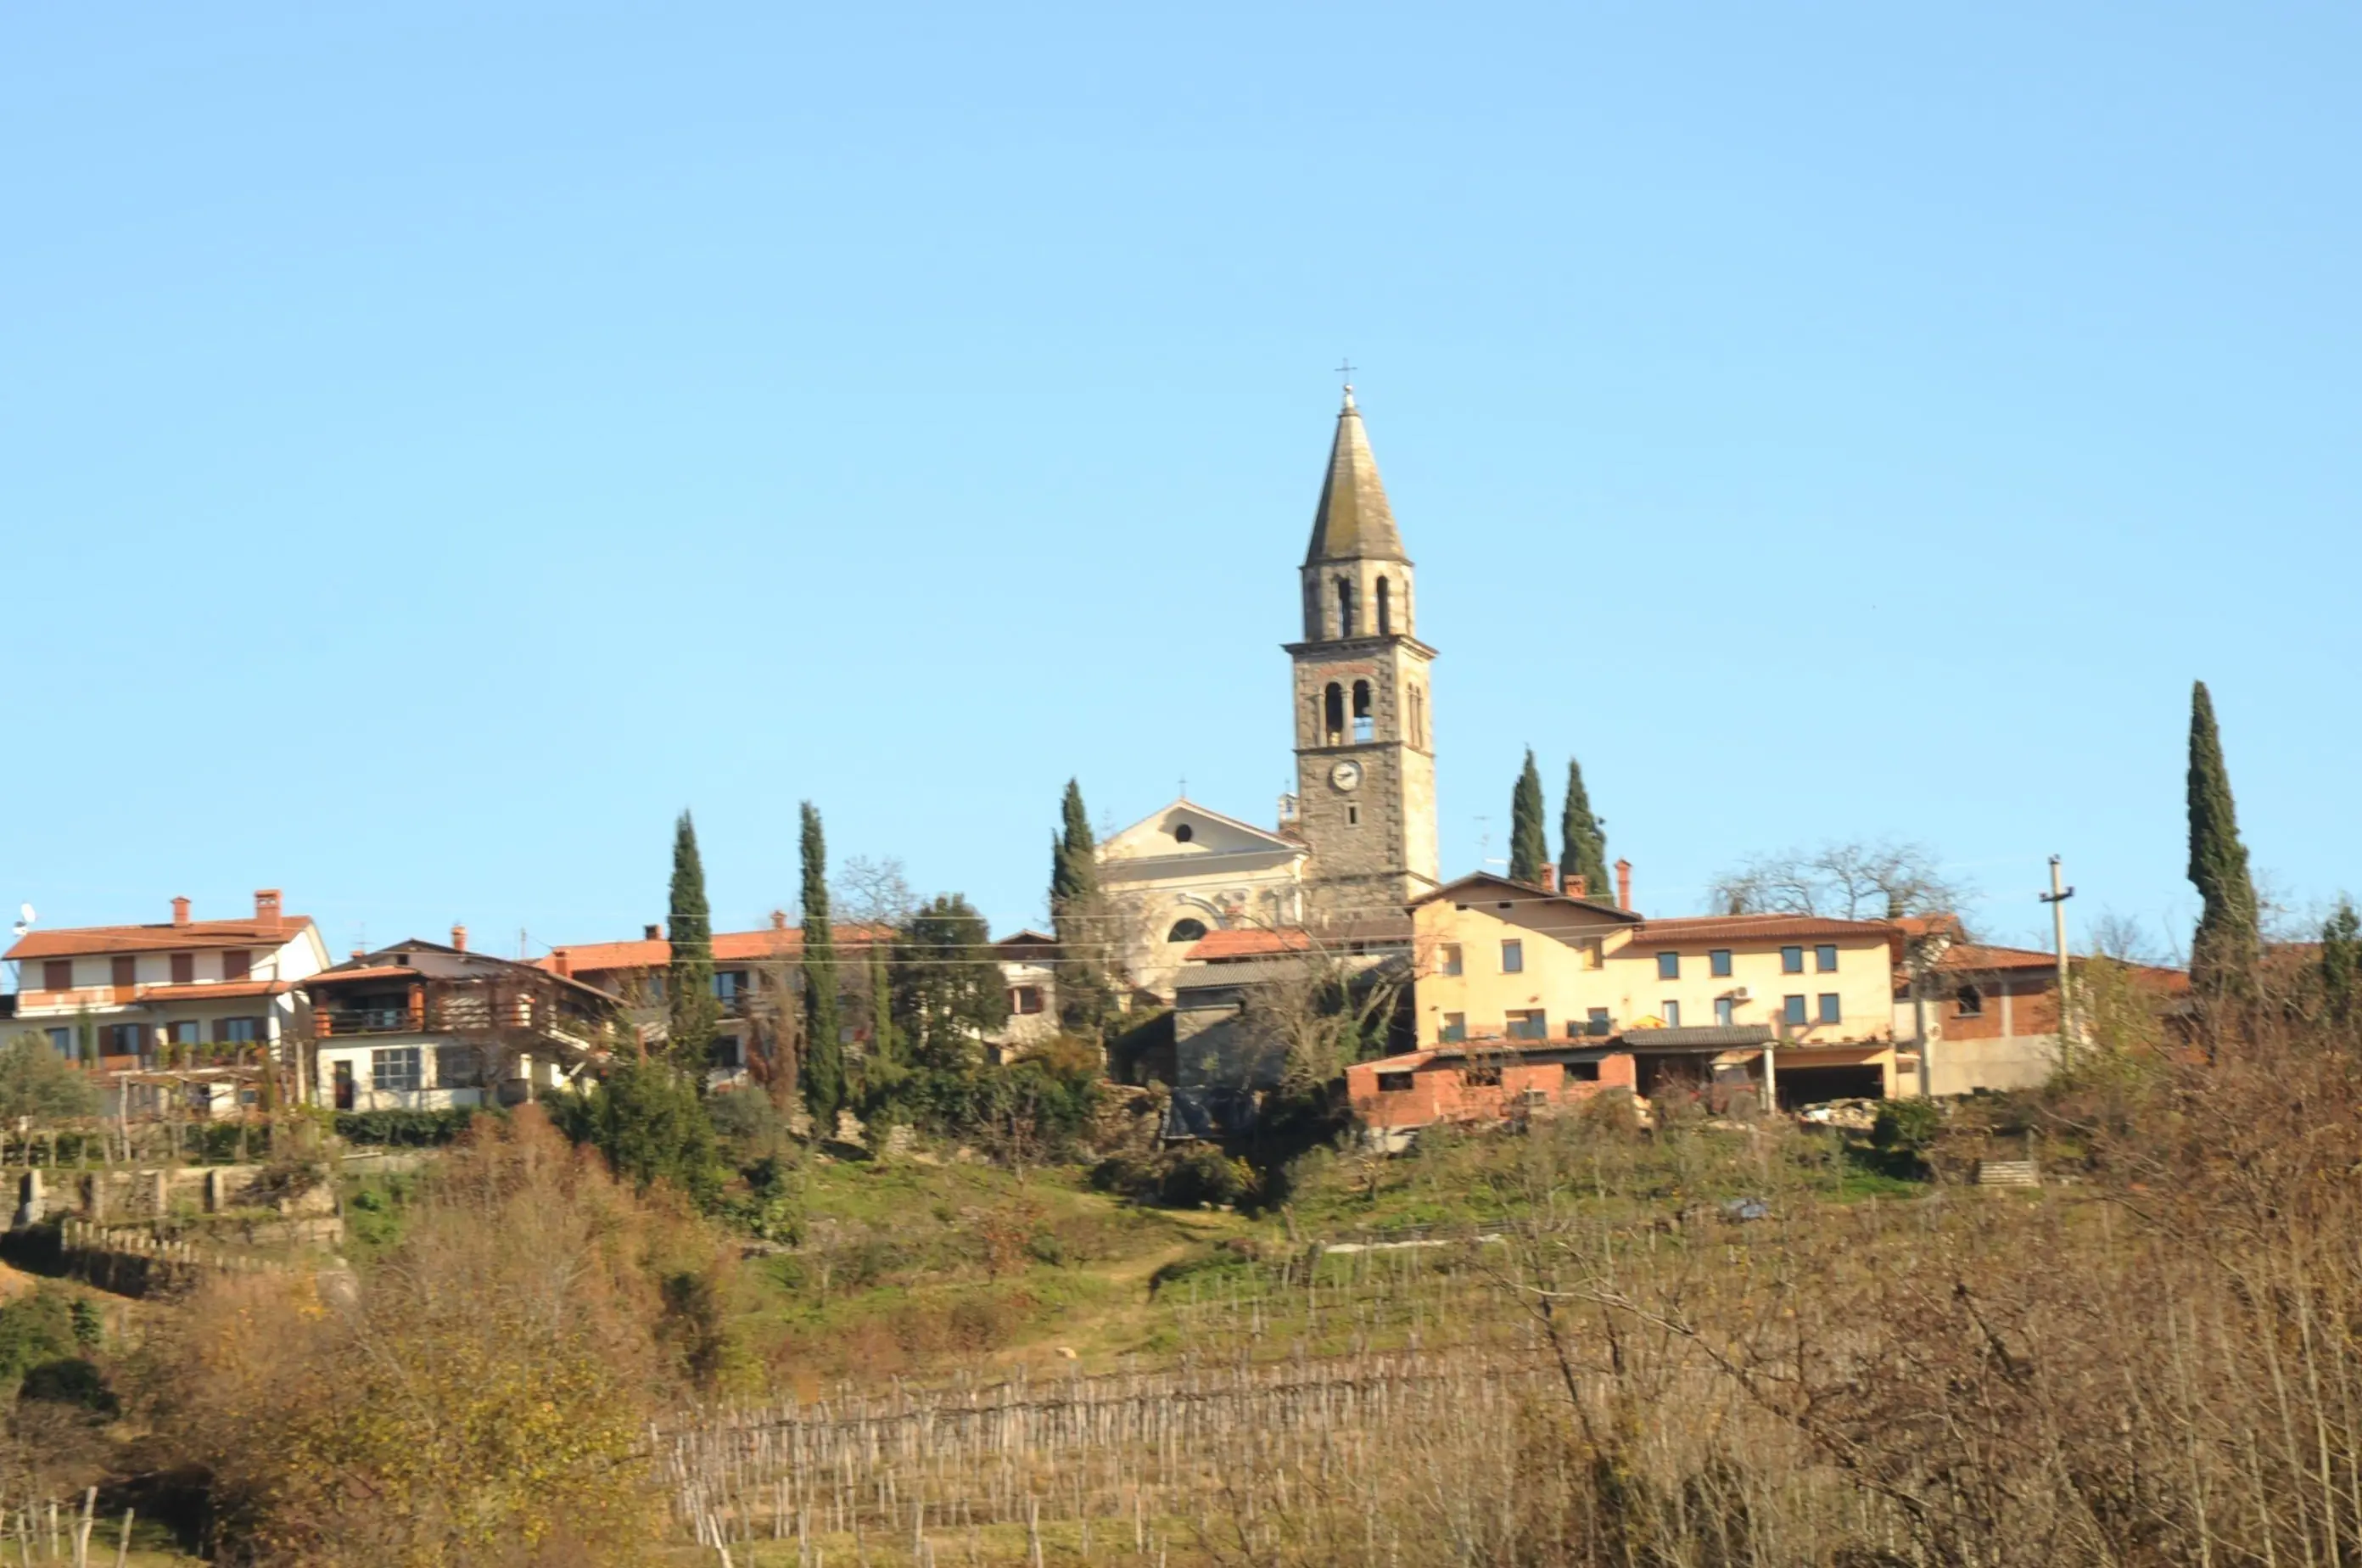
(478, 1397)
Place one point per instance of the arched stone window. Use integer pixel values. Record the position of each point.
(1334, 732)
(1187, 930)
(1385, 608)
(1311, 611)
(1416, 701)
(1346, 608)
(1365, 723)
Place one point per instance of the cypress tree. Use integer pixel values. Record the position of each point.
(2341, 963)
(1582, 840)
(823, 1074)
(1078, 918)
(2226, 944)
(1528, 842)
(693, 1015)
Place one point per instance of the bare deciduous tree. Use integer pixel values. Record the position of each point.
(1854, 880)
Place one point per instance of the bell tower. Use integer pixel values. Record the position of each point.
(1365, 755)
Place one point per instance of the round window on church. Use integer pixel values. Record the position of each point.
(1187, 930)
(1183, 833)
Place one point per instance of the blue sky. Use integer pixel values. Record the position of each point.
(439, 441)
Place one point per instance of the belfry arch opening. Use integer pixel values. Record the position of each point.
(1347, 610)
(1333, 732)
(1365, 723)
(1385, 608)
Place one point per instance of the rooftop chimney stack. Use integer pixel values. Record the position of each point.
(563, 962)
(1578, 886)
(180, 911)
(1623, 884)
(265, 908)
(360, 952)
(779, 919)
(1549, 878)
(652, 932)
(459, 937)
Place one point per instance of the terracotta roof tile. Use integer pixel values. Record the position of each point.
(1247, 942)
(218, 992)
(729, 947)
(90, 940)
(1758, 928)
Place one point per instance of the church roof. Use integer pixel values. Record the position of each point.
(1355, 522)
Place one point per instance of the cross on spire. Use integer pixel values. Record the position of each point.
(1345, 368)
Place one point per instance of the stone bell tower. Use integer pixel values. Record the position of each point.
(1365, 755)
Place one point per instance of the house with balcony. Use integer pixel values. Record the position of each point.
(182, 993)
(422, 1026)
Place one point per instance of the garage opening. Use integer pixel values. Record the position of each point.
(1801, 1087)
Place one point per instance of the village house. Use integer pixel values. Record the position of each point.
(1477, 1083)
(1028, 961)
(178, 994)
(420, 1026)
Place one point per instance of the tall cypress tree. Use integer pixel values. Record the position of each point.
(1078, 916)
(2341, 963)
(823, 1074)
(1528, 841)
(1582, 840)
(2226, 944)
(693, 1016)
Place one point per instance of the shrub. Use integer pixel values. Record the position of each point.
(1907, 1126)
(1202, 1173)
(36, 1081)
(404, 1129)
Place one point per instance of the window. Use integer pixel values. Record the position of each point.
(184, 968)
(1366, 725)
(1829, 1012)
(1345, 607)
(1596, 1021)
(729, 986)
(124, 1040)
(1393, 1083)
(1025, 999)
(236, 964)
(1353, 816)
(185, 1032)
(1512, 957)
(1792, 1010)
(1583, 1072)
(1529, 1023)
(238, 1031)
(1718, 962)
(395, 1070)
(1792, 960)
(1385, 608)
(1671, 1011)
(458, 1067)
(61, 1042)
(1183, 833)
(1482, 1074)
(1969, 1002)
(1333, 706)
(1451, 958)
(57, 974)
(1187, 930)
(125, 973)
(1668, 966)
(1454, 1030)
(1725, 1011)
(1824, 958)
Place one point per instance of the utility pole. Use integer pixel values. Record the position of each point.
(2057, 899)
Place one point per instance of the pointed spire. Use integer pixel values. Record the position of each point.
(1355, 522)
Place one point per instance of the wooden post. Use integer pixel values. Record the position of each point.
(123, 1546)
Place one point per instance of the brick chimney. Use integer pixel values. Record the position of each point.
(779, 919)
(1549, 878)
(563, 962)
(1578, 886)
(265, 908)
(652, 934)
(459, 937)
(1623, 884)
(180, 911)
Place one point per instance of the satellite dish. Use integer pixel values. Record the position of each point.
(24, 918)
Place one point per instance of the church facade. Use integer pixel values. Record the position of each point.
(1356, 841)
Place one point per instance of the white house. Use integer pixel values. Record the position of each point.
(1184, 871)
(182, 991)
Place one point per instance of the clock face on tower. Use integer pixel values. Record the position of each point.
(1346, 775)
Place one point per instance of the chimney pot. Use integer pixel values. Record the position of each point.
(360, 952)
(265, 908)
(459, 937)
(779, 919)
(1578, 886)
(1623, 884)
(562, 961)
(1549, 878)
(180, 911)
(652, 932)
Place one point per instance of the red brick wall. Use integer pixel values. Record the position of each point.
(1441, 1092)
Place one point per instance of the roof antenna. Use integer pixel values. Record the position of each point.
(24, 919)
